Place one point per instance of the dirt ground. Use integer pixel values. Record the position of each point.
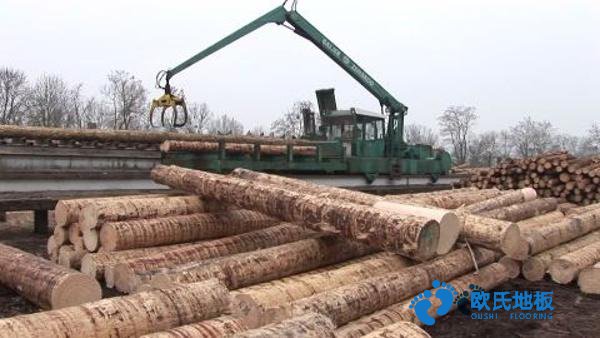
(575, 314)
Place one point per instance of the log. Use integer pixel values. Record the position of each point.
(350, 302)
(52, 249)
(449, 224)
(126, 275)
(234, 148)
(95, 264)
(67, 211)
(399, 330)
(259, 266)
(307, 325)
(61, 235)
(449, 201)
(178, 229)
(488, 277)
(90, 239)
(44, 283)
(307, 187)
(493, 234)
(415, 237)
(258, 301)
(112, 136)
(535, 267)
(93, 216)
(128, 316)
(566, 268)
(551, 235)
(522, 211)
(223, 326)
(538, 221)
(519, 196)
(589, 279)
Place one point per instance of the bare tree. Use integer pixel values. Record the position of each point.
(95, 114)
(258, 131)
(13, 96)
(75, 103)
(505, 144)
(291, 124)
(566, 142)
(456, 123)
(48, 102)
(591, 143)
(420, 134)
(484, 149)
(225, 125)
(532, 137)
(198, 118)
(127, 97)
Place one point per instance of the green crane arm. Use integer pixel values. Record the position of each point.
(305, 29)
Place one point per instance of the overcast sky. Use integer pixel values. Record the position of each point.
(507, 58)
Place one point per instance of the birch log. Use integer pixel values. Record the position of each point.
(259, 266)
(350, 302)
(566, 268)
(178, 229)
(44, 283)
(128, 316)
(414, 237)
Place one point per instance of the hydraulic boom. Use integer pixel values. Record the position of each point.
(299, 25)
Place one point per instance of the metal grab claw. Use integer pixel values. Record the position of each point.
(169, 101)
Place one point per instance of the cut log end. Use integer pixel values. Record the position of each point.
(428, 241)
(75, 289)
(513, 267)
(90, 239)
(513, 245)
(589, 280)
(449, 232)
(533, 269)
(108, 237)
(562, 271)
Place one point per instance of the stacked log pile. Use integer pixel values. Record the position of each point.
(556, 174)
(252, 254)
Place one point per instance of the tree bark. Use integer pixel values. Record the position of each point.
(522, 211)
(223, 326)
(128, 316)
(551, 235)
(259, 266)
(67, 211)
(514, 197)
(526, 225)
(566, 268)
(93, 216)
(44, 283)
(259, 301)
(126, 275)
(414, 237)
(488, 277)
(493, 234)
(589, 279)
(535, 267)
(399, 330)
(178, 229)
(450, 200)
(310, 325)
(234, 148)
(350, 302)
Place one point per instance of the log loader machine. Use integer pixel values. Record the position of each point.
(348, 143)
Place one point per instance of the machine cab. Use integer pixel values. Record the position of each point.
(360, 131)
